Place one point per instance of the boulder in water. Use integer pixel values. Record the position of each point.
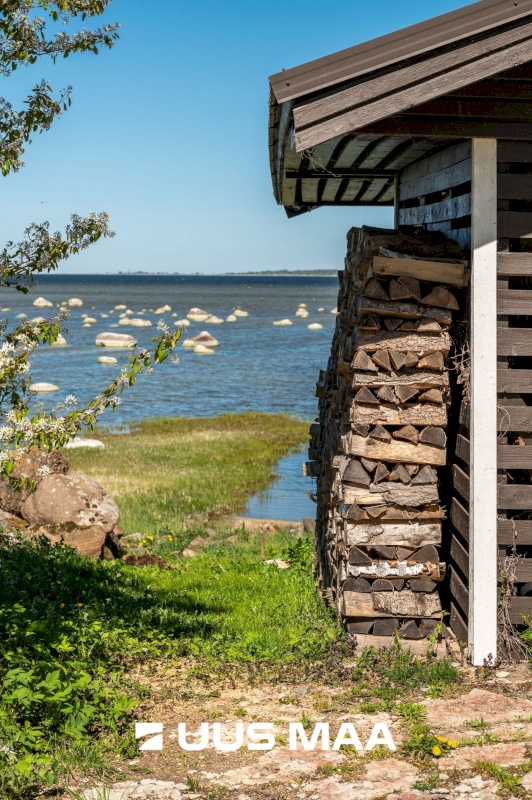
(42, 302)
(107, 360)
(74, 302)
(315, 326)
(302, 312)
(231, 318)
(44, 387)
(120, 308)
(198, 315)
(60, 341)
(203, 338)
(162, 309)
(109, 339)
(214, 320)
(283, 322)
(239, 313)
(201, 350)
(136, 322)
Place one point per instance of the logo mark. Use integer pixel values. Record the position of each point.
(143, 729)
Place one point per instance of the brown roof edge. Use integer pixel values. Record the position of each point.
(437, 32)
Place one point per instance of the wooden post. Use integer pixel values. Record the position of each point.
(483, 502)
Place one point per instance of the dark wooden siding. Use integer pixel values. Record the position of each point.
(514, 348)
(435, 192)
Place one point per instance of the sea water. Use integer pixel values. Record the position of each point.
(258, 366)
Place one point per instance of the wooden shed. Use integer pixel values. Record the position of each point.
(436, 120)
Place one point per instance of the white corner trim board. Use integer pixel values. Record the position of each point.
(483, 459)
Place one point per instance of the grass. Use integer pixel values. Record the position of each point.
(171, 477)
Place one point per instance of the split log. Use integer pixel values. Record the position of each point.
(429, 325)
(398, 292)
(431, 396)
(390, 604)
(451, 273)
(376, 290)
(400, 473)
(397, 359)
(397, 583)
(427, 553)
(433, 361)
(411, 359)
(410, 325)
(382, 359)
(385, 627)
(387, 395)
(381, 434)
(370, 324)
(421, 345)
(425, 476)
(358, 557)
(359, 627)
(354, 472)
(375, 512)
(406, 603)
(410, 631)
(408, 433)
(370, 466)
(399, 569)
(428, 627)
(421, 585)
(413, 379)
(404, 311)
(386, 492)
(382, 585)
(408, 535)
(361, 430)
(395, 451)
(363, 362)
(357, 585)
(365, 396)
(414, 414)
(433, 435)
(381, 473)
(353, 512)
(442, 298)
(391, 323)
(411, 283)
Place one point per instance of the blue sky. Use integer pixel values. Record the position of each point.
(168, 133)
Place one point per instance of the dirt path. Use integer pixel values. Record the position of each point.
(489, 716)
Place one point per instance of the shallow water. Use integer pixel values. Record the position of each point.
(286, 497)
(257, 366)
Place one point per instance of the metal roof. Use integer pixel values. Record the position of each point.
(406, 43)
(342, 128)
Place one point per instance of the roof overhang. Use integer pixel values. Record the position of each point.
(343, 127)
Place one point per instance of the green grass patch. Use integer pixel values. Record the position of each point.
(170, 477)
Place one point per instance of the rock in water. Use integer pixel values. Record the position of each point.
(72, 498)
(198, 315)
(107, 360)
(283, 322)
(30, 464)
(115, 340)
(238, 312)
(231, 318)
(203, 338)
(60, 341)
(201, 350)
(42, 302)
(315, 326)
(44, 387)
(74, 302)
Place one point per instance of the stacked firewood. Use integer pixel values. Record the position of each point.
(380, 438)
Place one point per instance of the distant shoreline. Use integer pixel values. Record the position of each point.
(281, 274)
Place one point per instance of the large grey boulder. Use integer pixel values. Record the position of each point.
(71, 498)
(86, 541)
(29, 464)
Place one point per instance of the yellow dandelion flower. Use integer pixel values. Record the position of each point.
(441, 739)
(436, 751)
(452, 743)
(170, 538)
(150, 538)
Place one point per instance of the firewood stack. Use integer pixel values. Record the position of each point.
(381, 432)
